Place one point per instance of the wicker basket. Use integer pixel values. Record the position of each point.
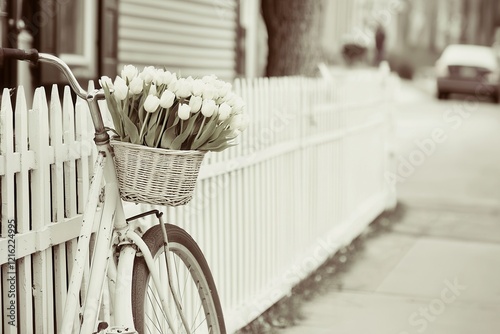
(155, 175)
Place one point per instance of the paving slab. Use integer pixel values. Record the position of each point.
(377, 313)
(471, 270)
(462, 223)
(405, 284)
(374, 263)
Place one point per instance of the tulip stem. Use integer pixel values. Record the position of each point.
(143, 126)
(131, 110)
(162, 127)
(201, 127)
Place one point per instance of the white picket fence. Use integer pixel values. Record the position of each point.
(306, 179)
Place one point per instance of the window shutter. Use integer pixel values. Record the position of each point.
(189, 37)
(108, 38)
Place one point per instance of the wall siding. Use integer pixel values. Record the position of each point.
(196, 37)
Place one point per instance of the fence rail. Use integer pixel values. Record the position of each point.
(307, 177)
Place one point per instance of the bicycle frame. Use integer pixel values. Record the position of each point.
(113, 229)
(112, 217)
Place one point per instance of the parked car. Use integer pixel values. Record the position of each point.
(468, 69)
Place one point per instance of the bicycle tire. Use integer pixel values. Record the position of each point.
(187, 256)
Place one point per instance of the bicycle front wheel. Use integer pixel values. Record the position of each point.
(191, 279)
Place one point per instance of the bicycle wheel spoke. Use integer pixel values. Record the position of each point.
(182, 273)
(154, 310)
(190, 283)
(201, 323)
(196, 317)
(175, 276)
(186, 282)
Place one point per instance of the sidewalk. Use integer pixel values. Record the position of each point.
(436, 272)
(438, 269)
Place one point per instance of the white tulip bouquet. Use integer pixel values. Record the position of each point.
(154, 108)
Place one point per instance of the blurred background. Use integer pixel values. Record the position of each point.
(240, 38)
(447, 179)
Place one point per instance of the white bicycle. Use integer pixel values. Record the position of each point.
(158, 280)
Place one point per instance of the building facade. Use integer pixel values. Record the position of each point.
(97, 37)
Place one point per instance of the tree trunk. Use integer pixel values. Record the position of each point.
(294, 29)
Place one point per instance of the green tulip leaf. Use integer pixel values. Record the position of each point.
(176, 144)
(115, 114)
(208, 130)
(167, 139)
(131, 130)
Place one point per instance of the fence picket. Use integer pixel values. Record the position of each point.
(8, 206)
(70, 190)
(57, 171)
(296, 178)
(84, 164)
(59, 197)
(41, 209)
(23, 211)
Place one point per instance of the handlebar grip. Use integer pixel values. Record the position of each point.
(19, 54)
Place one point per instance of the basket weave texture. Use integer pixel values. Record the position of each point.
(155, 175)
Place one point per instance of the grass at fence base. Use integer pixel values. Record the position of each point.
(287, 311)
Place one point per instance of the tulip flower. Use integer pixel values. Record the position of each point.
(173, 81)
(148, 74)
(136, 85)
(224, 111)
(120, 89)
(152, 89)
(151, 103)
(164, 109)
(239, 122)
(105, 80)
(165, 77)
(209, 79)
(129, 72)
(158, 78)
(239, 105)
(209, 92)
(183, 88)
(184, 111)
(208, 108)
(195, 103)
(167, 99)
(225, 89)
(198, 87)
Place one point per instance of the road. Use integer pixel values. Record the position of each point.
(438, 270)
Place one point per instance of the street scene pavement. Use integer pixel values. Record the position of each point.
(438, 268)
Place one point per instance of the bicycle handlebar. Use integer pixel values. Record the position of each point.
(19, 54)
(34, 57)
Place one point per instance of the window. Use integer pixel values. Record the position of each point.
(83, 33)
(76, 35)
